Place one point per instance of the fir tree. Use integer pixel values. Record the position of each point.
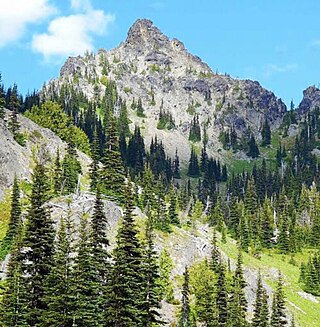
(87, 306)
(261, 310)
(38, 240)
(94, 165)
(59, 286)
(278, 315)
(15, 215)
(237, 302)
(185, 319)
(193, 169)
(266, 134)
(57, 178)
(13, 302)
(253, 150)
(152, 281)
(173, 215)
(222, 297)
(215, 253)
(112, 173)
(100, 255)
(127, 292)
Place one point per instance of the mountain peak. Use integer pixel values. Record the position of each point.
(143, 32)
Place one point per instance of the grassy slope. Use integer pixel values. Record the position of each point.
(306, 312)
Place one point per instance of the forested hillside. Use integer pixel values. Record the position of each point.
(115, 227)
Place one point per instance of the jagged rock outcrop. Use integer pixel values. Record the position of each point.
(19, 160)
(310, 100)
(148, 64)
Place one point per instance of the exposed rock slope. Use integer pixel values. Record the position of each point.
(19, 160)
(148, 64)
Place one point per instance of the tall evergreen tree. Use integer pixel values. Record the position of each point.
(127, 283)
(185, 319)
(193, 169)
(261, 310)
(87, 307)
(112, 173)
(60, 294)
(266, 133)
(13, 302)
(38, 241)
(15, 215)
(222, 297)
(278, 315)
(57, 178)
(152, 281)
(94, 165)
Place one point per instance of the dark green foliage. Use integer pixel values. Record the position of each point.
(266, 134)
(253, 150)
(173, 214)
(278, 315)
(13, 307)
(310, 275)
(87, 306)
(112, 172)
(222, 297)
(135, 155)
(261, 310)
(195, 130)
(215, 254)
(71, 168)
(94, 165)
(60, 296)
(166, 120)
(38, 240)
(193, 169)
(153, 294)
(237, 307)
(57, 177)
(123, 120)
(138, 107)
(127, 291)
(185, 319)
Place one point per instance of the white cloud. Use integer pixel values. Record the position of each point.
(271, 69)
(72, 35)
(15, 15)
(80, 5)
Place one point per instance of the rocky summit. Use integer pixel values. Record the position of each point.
(165, 76)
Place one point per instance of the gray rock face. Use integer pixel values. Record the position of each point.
(311, 100)
(148, 62)
(19, 160)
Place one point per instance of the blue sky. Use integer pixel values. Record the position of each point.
(274, 42)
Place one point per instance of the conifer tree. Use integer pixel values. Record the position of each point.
(261, 310)
(38, 240)
(15, 215)
(152, 281)
(100, 255)
(60, 286)
(165, 268)
(112, 173)
(266, 134)
(57, 178)
(222, 297)
(278, 315)
(215, 253)
(185, 319)
(237, 303)
(71, 168)
(126, 298)
(94, 165)
(253, 150)
(193, 169)
(13, 302)
(173, 210)
(87, 306)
